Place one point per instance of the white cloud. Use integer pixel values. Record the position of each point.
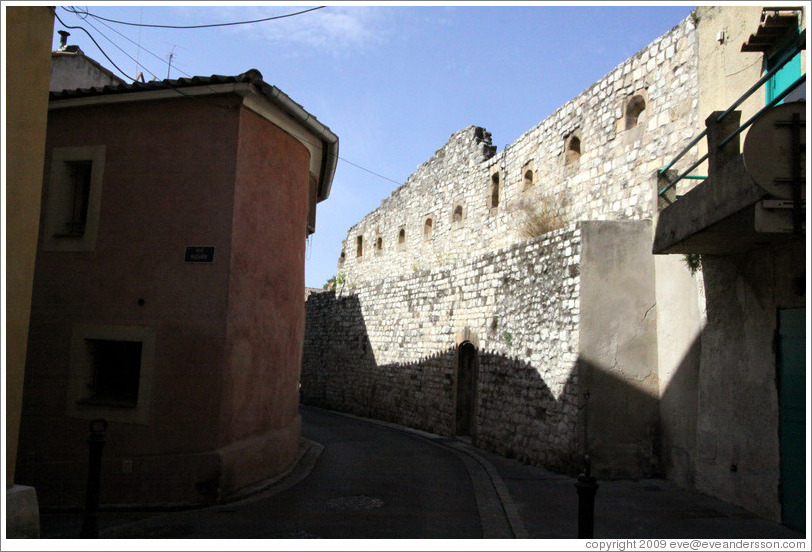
(333, 29)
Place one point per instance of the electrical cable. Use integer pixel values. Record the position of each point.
(120, 49)
(96, 43)
(195, 26)
(80, 13)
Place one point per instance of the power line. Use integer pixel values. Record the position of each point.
(120, 49)
(139, 47)
(195, 26)
(96, 43)
(85, 13)
(369, 171)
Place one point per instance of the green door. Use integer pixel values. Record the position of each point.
(788, 74)
(792, 405)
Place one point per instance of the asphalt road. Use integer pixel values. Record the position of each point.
(362, 479)
(358, 480)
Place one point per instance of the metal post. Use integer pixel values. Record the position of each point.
(90, 526)
(587, 486)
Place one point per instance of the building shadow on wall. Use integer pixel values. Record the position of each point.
(515, 412)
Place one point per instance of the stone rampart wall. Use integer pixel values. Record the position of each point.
(595, 158)
(388, 349)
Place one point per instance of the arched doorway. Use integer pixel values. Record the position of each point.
(467, 368)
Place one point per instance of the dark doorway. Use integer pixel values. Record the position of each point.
(791, 401)
(466, 389)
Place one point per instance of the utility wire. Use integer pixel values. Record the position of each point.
(90, 24)
(85, 13)
(196, 26)
(96, 43)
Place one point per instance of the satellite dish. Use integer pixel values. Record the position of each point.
(767, 151)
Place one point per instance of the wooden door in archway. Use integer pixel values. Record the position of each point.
(466, 389)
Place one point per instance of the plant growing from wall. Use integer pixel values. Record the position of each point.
(507, 337)
(693, 261)
(541, 216)
(337, 280)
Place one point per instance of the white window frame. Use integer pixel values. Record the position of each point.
(82, 368)
(60, 198)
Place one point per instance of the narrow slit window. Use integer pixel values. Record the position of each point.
(457, 216)
(495, 190)
(635, 107)
(573, 150)
(402, 236)
(359, 246)
(428, 226)
(78, 182)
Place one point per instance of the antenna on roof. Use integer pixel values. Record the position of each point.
(171, 55)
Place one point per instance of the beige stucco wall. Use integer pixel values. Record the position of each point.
(725, 72)
(28, 40)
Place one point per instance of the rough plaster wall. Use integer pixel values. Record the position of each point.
(72, 71)
(738, 402)
(387, 349)
(618, 348)
(725, 71)
(614, 179)
(680, 320)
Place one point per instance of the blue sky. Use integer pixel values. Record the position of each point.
(392, 81)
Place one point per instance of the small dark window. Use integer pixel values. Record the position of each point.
(359, 247)
(342, 258)
(495, 190)
(428, 226)
(116, 369)
(379, 245)
(75, 214)
(528, 178)
(573, 152)
(636, 106)
(402, 236)
(457, 216)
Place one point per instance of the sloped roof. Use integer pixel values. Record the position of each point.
(252, 76)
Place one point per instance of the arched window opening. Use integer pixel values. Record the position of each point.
(573, 150)
(457, 216)
(342, 258)
(635, 107)
(428, 226)
(402, 236)
(495, 190)
(359, 246)
(379, 245)
(528, 175)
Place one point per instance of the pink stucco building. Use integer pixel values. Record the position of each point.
(167, 294)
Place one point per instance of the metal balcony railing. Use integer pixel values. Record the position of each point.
(789, 55)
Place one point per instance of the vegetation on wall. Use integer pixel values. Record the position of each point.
(541, 217)
(693, 261)
(336, 280)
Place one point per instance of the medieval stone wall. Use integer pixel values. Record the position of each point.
(518, 306)
(491, 248)
(595, 158)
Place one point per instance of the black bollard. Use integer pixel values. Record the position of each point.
(90, 525)
(587, 486)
